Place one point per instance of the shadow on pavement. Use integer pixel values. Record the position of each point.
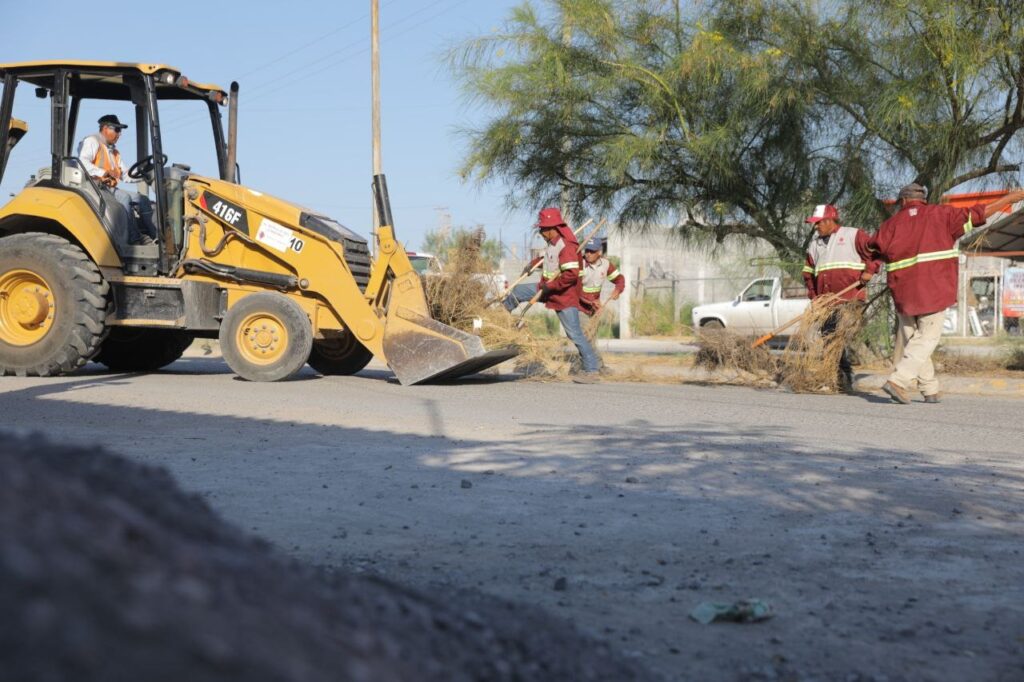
(867, 552)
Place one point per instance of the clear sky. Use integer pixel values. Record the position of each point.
(304, 117)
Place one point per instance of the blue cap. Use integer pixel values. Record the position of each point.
(593, 244)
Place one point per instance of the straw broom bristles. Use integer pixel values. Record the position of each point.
(810, 361)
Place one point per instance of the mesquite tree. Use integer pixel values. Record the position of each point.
(737, 116)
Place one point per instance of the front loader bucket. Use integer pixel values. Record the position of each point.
(419, 348)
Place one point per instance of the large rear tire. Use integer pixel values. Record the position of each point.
(266, 337)
(339, 355)
(53, 305)
(134, 349)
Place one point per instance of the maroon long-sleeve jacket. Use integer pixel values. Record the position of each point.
(918, 245)
(561, 271)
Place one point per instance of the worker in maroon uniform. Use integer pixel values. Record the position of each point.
(558, 286)
(918, 244)
(596, 271)
(837, 257)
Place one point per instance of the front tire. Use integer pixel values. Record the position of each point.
(53, 305)
(266, 337)
(135, 349)
(340, 355)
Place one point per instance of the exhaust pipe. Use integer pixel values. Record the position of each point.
(232, 162)
(380, 196)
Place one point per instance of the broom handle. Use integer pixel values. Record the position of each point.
(583, 242)
(522, 316)
(775, 332)
(532, 268)
(537, 264)
(597, 321)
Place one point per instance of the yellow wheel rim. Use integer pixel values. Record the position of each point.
(262, 338)
(26, 307)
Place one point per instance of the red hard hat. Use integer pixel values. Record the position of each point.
(549, 217)
(823, 212)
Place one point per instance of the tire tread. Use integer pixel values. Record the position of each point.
(90, 303)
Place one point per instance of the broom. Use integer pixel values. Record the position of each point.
(536, 297)
(828, 298)
(532, 269)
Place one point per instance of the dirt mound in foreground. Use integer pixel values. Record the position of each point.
(109, 572)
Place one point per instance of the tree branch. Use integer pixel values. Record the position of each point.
(982, 172)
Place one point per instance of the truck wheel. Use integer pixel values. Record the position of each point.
(266, 337)
(53, 305)
(712, 325)
(339, 355)
(134, 349)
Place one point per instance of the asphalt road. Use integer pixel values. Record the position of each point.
(888, 538)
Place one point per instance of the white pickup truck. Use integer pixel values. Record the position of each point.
(761, 307)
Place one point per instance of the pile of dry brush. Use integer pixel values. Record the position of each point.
(462, 298)
(810, 361)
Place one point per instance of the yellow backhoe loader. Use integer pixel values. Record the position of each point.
(278, 284)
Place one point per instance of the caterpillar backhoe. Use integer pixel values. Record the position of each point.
(279, 285)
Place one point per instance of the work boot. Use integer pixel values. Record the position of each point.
(897, 394)
(933, 398)
(587, 378)
(144, 240)
(846, 382)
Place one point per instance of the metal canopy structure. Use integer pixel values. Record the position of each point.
(105, 80)
(1003, 237)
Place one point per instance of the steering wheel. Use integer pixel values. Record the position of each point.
(143, 168)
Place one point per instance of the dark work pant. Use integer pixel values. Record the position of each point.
(828, 328)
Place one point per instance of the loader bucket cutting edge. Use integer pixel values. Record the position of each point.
(419, 348)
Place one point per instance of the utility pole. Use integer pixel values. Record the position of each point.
(563, 197)
(375, 105)
(444, 221)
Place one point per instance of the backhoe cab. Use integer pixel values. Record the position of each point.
(278, 284)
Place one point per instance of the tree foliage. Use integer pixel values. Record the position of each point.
(929, 91)
(736, 121)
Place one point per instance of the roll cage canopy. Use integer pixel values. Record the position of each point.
(105, 80)
(67, 83)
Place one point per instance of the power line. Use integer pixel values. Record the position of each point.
(308, 44)
(261, 90)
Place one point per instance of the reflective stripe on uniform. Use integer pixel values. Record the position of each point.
(569, 266)
(923, 258)
(550, 275)
(613, 274)
(591, 290)
(838, 251)
(839, 266)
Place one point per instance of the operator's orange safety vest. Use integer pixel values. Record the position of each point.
(110, 162)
